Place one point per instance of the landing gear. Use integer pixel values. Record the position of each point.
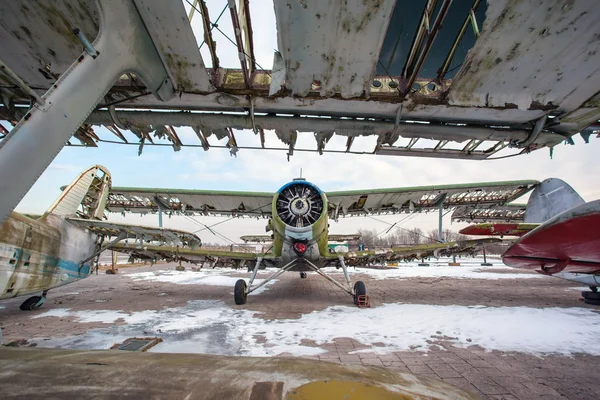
(594, 289)
(359, 290)
(34, 302)
(592, 297)
(242, 290)
(239, 292)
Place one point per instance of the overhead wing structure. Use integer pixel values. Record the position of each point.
(138, 232)
(421, 251)
(438, 78)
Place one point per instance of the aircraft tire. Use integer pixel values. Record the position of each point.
(591, 295)
(592, 302)
(30, 303)
(239, 292)
(302, 275)
(359, 290)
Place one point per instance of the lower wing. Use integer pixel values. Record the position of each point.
(416, 252)
(235, 259)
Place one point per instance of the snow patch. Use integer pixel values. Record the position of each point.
(459, 272)
(211, 327)
(211, 277)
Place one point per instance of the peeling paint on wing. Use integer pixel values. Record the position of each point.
(531, 56)
(334, 43)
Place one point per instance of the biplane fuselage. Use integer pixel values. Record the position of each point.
(299, 222)
(41, 254)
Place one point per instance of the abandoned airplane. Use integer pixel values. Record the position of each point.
(57, 248)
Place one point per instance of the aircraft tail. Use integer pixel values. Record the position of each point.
(550, 198)
(86, 196)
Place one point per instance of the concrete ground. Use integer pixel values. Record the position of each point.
(492, 374)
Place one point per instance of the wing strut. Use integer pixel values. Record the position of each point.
(122, 235)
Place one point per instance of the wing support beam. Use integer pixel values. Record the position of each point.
(122, 235)
(123, 45)
(283, 269)
(348, 289)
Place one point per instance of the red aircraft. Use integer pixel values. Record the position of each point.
(560, 236)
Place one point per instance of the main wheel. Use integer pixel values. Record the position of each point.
(594, 302)
(303, 275)
(239, 292)
(359, 290)
(594, 289)
(30, 303)
(591, 295)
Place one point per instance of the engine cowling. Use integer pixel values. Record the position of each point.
(299, 204)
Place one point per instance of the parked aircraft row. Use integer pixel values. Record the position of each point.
(59, 247)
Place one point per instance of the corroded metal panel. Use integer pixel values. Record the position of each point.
(174, 40)
(37, 39)
(336, 43)
(532, 53)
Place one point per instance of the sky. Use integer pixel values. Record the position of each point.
(256, 170)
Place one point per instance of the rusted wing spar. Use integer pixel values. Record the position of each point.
(387, 62)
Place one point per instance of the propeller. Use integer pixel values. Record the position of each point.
(299, 205)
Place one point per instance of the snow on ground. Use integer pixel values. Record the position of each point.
(578, 288)
(469, 269)
(212, 327)
(211, 277)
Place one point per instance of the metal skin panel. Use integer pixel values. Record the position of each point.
(530, 53)
(48, 252)
(336, 43)
(550, 198)
(172, 35)
(37, 40)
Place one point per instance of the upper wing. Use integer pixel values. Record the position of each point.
(236, 259)
(424, 198)
(143, 233)
(355, 202)
(180, 201)
(414, 252)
